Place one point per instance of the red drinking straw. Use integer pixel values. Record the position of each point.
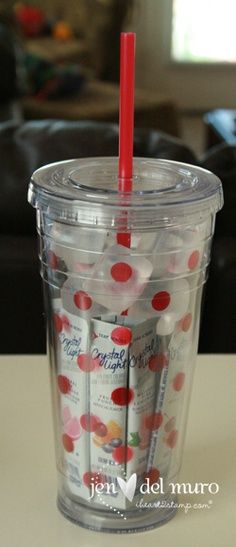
(126, 119)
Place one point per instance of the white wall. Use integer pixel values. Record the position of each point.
(196, 87)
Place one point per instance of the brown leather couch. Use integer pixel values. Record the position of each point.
(24, 148)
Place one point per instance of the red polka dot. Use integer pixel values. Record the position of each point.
(185, 322)
(122, 396)
(52, 260)
(89, 422)
(122, 454)
(154, 421)
(57, 322)
(64, 384)
(178, 381)
(193, 260)
(82, 300)
(97, 364)
(161, 300)
(86, 363)
(152, 476)
(121, 272)
(67, 443)
(157, 362)
(66, 323)
(172, 438)
(121, 336)
(90, 478)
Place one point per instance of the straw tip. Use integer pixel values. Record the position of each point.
(128, 35)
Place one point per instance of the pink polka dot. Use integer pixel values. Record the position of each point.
(86, 363)
(172, 438)
(66, 323)
(157, 362)
(193, 260)
(185, 322)
(161, 300)
(121, 336)
(57, 322)
(178, 381)
(121, 272)
(82, 300)
(73, 429)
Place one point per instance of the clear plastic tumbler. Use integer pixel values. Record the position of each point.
(123, 324)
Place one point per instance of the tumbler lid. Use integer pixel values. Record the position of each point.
(85, 191)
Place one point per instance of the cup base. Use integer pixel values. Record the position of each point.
(105, 521)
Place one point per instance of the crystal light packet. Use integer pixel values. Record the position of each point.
(72, 394)
(122, 394)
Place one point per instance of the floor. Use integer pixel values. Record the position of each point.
(192, 132)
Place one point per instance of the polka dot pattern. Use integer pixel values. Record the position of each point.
(193, 260)
(57, 322)
(121, 271)
(66, 323)
(67, 443)
(157, 362)
(161, 300)
(178, 381)
(172, 438)
(122, 396)
(186, 322)
(64, 384)
(82, 300)
(121, 336)
(122, 454)
(86, 363)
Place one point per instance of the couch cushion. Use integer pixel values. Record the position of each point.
(221, 160)
(24, 148)
(22, 314)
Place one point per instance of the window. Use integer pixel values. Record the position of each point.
(203, 31)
